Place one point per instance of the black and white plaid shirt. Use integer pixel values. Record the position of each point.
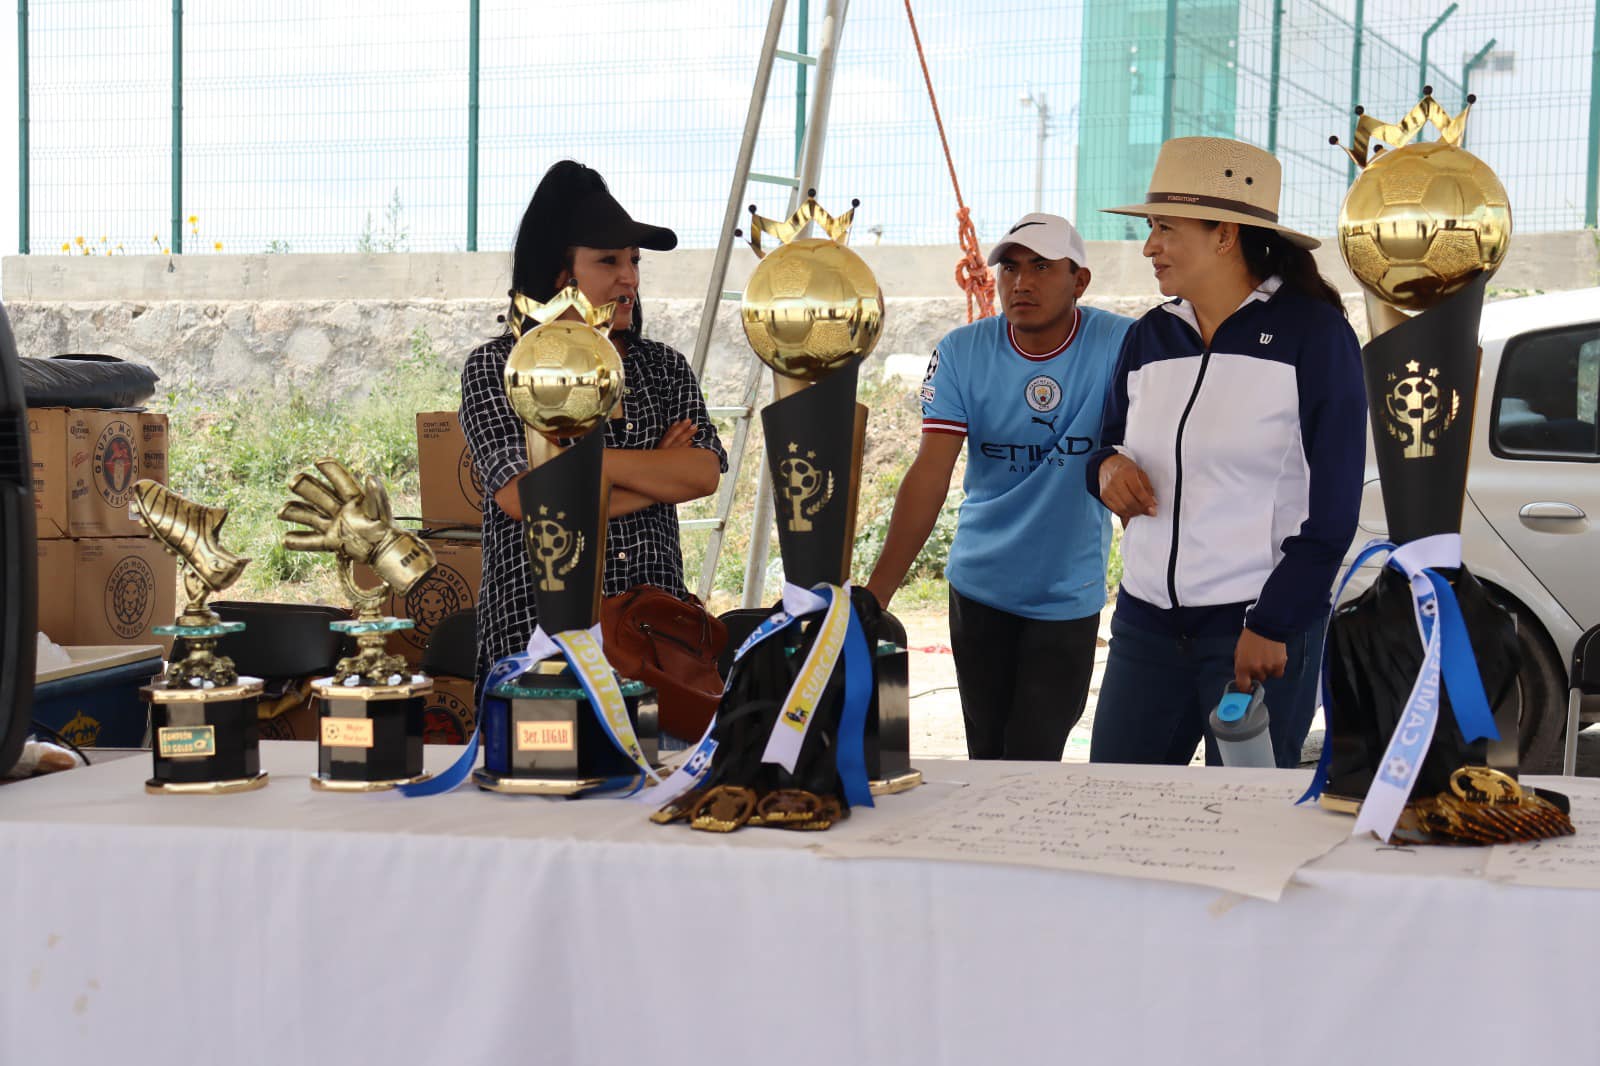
(642, 548)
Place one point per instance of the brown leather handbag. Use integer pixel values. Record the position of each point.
(671, 645)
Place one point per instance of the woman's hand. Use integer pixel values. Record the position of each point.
(678, 435)
(1255, 658)
(1125, 489)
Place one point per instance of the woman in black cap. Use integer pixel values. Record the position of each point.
(660, 452)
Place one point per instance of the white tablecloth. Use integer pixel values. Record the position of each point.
(289, 927)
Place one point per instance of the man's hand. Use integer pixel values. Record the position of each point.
(1255, 658)
(1125, 489)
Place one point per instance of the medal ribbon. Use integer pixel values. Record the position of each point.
(800, 705)
(842, 632)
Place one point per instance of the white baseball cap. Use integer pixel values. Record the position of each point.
(1049, 235)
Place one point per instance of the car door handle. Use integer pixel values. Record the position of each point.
(1547, 509)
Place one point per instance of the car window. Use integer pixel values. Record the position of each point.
(1547, 399)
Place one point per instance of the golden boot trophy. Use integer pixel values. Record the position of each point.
(371, 711)
(557, 720)
(1423, 228)
(202, 713)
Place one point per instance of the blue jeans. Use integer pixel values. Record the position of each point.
(1159, 691)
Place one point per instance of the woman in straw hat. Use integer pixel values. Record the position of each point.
(660, 451)
(1233, 451)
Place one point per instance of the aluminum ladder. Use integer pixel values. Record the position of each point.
(810, 166)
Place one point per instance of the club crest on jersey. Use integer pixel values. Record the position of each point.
(1043, 394)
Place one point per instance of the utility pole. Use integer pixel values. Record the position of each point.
(1042, 107)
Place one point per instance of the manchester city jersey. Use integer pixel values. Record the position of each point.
(1030, 539)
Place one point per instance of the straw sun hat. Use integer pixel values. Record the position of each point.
(1217, 179)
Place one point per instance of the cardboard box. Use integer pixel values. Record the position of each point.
(452, 494)
(58, 570)
(451, 586)
(125, 586)
(85, 464)
(291, 717)
(448, 712)
(95, 702)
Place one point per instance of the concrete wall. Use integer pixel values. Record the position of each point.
(225, 322)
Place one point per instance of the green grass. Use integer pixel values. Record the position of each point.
(240, 452)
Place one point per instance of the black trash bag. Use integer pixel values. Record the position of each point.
(755, 693)
(87, 381)
(1373, 655)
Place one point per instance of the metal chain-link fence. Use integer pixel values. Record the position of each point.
(306, 127)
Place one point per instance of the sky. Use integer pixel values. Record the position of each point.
(334, 125)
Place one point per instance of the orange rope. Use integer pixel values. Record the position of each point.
(972, 273)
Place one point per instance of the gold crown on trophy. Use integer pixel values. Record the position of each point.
(837, 227)
(1423, 220)
(1399, 134)
(813, 305)
(570, 298)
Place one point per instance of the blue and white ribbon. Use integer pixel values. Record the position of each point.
(1447, 659)
(687, 775)
(841, 635)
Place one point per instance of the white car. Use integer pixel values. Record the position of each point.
(1530, 528)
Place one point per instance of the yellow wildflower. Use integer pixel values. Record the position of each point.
(79, 241)
(218, 246)
(66, 246)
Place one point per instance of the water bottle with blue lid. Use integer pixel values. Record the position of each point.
(1239, 725)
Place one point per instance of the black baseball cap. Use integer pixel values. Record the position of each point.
(598, 221)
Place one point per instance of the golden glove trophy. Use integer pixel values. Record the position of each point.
(1433, 716)
(371, 711)
(830, 666)
(202, 713)
(557, 720)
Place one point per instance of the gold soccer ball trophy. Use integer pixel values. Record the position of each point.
(1424, 219)
(1422, 229)
(812, 305)
(812, 312)
(563, 379)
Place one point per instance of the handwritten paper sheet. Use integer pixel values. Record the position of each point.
(1245, 838)
(1565, 862)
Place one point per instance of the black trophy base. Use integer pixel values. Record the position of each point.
(1373, 656)
(888, 731)
(204, 741)
(369, 736)
(546, 738)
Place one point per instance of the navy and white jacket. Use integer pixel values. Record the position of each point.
(1256, 448)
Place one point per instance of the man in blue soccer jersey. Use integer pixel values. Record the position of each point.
(1027, 569)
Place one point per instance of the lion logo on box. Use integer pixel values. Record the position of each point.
(436, 597)
(130, 597)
